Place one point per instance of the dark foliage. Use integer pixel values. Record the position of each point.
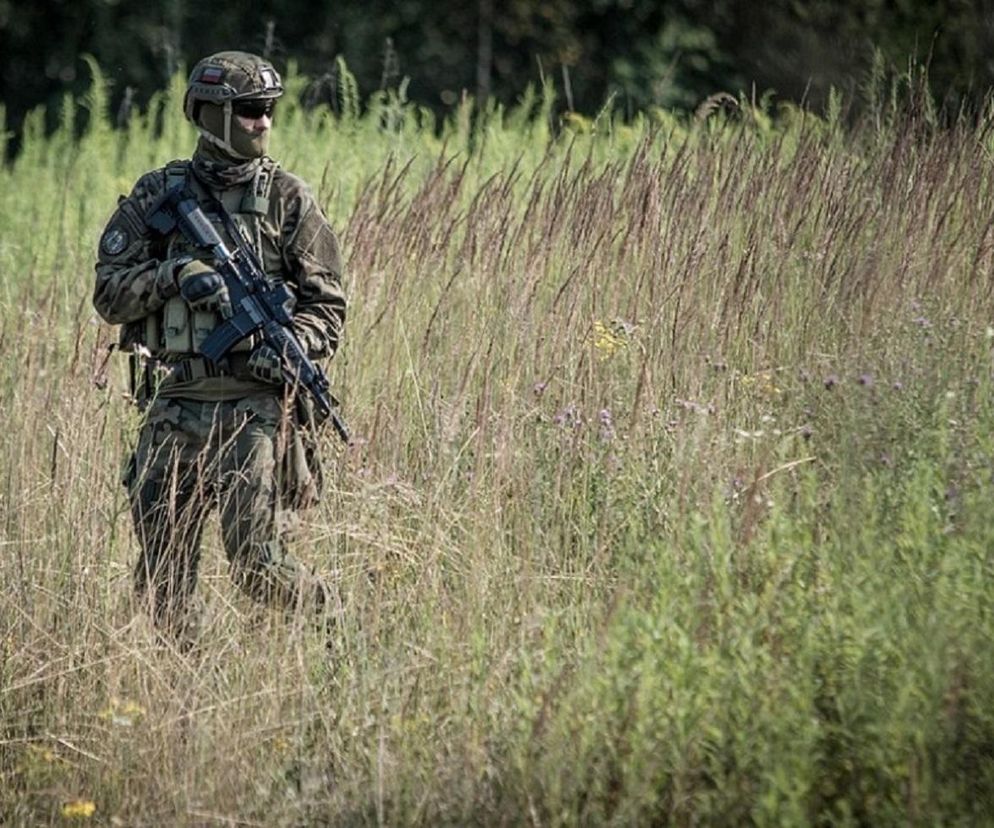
(635, 53)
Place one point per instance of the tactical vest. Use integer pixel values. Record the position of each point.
(175, 330)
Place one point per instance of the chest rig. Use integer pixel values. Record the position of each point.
(175, 330)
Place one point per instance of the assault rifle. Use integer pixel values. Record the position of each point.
(258, 305)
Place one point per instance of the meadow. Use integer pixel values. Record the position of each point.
(668, 503)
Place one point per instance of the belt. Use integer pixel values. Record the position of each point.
(198, 367)
(150, 375)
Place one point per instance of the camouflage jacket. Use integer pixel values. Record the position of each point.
(135, 270)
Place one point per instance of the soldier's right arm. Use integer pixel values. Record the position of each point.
(131, 280)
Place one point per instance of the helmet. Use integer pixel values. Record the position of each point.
(217, 81)
(230, 76)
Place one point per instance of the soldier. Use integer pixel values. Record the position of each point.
(220, 434)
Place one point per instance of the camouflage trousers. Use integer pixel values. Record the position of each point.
(191, 458)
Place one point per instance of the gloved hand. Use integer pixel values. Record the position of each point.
(203, 288)
(265, 364)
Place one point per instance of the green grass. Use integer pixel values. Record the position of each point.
(669, 500)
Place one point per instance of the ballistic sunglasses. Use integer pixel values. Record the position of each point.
(254, 108)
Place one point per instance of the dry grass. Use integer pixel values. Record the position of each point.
(667, 502)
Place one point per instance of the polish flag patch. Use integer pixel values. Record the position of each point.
(211, 74)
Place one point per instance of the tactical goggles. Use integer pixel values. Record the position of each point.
(254, 108)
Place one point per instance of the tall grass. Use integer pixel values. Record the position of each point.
(668, 500)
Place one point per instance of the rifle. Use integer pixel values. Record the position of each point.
(258, 304)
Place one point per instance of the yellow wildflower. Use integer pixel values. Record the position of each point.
(767, 383)
(609, 339)
(123, 713)
(764, 382)
(79, 809)
(43, 753)
(131, 708)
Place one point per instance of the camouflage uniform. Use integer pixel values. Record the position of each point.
(218, 436)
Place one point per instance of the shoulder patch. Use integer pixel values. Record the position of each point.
(114, 240)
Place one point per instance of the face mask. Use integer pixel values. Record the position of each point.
(225, 130)
(250, 144)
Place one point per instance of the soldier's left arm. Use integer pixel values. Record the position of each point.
(314, 260)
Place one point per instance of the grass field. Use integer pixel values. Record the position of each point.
(669, 501)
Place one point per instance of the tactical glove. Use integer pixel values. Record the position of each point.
(203, 288)
(265, 364)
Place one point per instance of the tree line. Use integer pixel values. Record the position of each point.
(629, 54)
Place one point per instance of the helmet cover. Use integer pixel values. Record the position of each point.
(230, 76)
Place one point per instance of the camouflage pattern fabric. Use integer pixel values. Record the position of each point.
(228, 442)
(135, 271)
(228, 76)
(194, 457)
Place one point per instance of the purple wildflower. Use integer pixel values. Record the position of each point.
(569, 417)
(607, 425)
